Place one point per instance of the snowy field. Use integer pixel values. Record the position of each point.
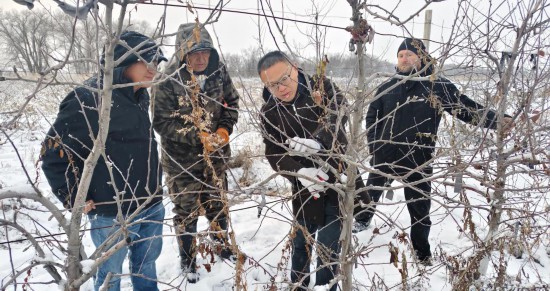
(265, 239)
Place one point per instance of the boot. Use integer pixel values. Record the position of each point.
(363, 219)
(222, 241)
(424, 259)
(359, 226)
(187, 248)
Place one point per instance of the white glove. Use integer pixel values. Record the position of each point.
(343, 178)
(303, 145)
(316, 175)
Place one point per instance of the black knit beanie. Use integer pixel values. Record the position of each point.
(413, 45)
(149, 50)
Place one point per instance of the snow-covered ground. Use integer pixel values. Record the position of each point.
(265, 239)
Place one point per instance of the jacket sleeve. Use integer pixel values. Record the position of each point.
(169, 116)
(373, 123)
(277, 156)
(230, 113)
(68, 144)
(465, 108)
(328, 131)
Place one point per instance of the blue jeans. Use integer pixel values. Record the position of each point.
(143, 254)
(328, 248)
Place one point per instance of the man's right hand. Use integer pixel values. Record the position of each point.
(304, 145)
(315, 176)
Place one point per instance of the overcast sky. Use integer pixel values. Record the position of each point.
(237, 32)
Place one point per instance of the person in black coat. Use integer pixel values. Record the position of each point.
(302, 133)
(131, 152)
(402, 124)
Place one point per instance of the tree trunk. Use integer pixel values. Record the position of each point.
(347, 256)
(73, 260)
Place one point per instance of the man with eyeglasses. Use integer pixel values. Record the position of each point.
(303, 133)
(195, 111)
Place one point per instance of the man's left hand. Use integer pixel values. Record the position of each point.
(312, 184)
(88, 206)
(214, 141)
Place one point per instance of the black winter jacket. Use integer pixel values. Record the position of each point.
(304, 118)
(130, 147)
(410, 114)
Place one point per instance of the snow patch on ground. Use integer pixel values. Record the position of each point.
(264, 239)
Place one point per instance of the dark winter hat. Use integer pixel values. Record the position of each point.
(148, 49)
(413, 45)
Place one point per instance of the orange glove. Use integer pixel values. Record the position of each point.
(224, 135)
(211, 142)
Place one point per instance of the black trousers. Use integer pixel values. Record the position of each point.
(417, 195)
(327, 246)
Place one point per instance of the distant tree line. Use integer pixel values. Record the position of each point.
(32, 41)
(340, 65)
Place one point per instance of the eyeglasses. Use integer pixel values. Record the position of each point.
(285, 80)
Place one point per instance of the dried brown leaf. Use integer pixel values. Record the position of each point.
(190, 8)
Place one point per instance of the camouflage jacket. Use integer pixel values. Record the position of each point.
(183, 107)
